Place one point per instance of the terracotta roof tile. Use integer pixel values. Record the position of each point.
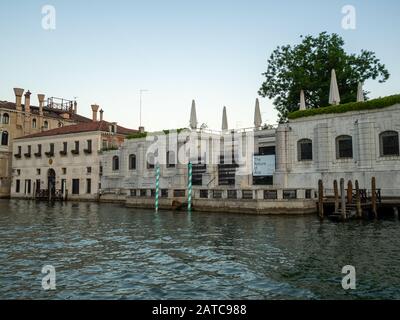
(91, 126)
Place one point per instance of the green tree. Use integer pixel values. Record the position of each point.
(308, 66)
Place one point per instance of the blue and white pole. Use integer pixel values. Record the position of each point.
(157, 186)
(190, 176)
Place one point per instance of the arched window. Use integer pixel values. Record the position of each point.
(34, 123)
(115, 163)
(304, 150)
(132, 162)
(6, 118)
(4, 138)
(389, 143)
(344, 147)
(45, 125)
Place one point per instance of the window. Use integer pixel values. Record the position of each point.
(64, 171)
(46, 125)
(27, 186)
(389, 143)
(88, 186)
(133, 193)
(132, 162)
(75, 186)
(38, 172)
(39, 151)
(64, 151)
(143, 193)
(204, 194)
(247, 194)
(89, 170)
(6, 118)
(304, 149)
(29, 152)
(50, 153)
(171, 161)
(270, 194)
(4, 138)
(60, 125)
(308, 194)
(217, 194)
(76, 150)
(164, 193)
(88, 150)
(179, 193)
(232, 194)
(115, 163)
(34, 124)
(344, 147)
(17, 186)
(289, 194)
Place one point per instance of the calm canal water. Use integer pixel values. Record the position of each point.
(111, 252)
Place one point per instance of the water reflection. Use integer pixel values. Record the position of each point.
(111, 252)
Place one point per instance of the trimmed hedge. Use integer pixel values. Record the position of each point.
(352, 106)
(138, 135)
(141, 135)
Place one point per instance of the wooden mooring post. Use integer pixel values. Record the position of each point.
(358, 200)
(373, 197)
(336, 191)
(349, 192)
(343, 199)
(321, 199)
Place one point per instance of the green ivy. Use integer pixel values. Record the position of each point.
(138, 135)
(352, 106)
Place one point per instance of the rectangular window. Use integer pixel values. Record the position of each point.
(171, 159)
(232, 194)
(217, 194)
(290, 194)
(88, 186)
(179, 193)
(270, 194)
(75, 186)
(64, 171)
(204, 194)
(38, 172)
(308, 194)
(143, 193)
(164, 193)
(37, 186)
(17, 186)
(89, 170)
(27, 186)
(76, 150)
(133, 193)
(153, 193)
(63, 185)
(88, 149)
(39, 151)
(247, 194)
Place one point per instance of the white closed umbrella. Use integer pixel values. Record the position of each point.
(224, 120)
(334, 96)
(193, 116)
(360, 93)
(302, 101)
(257, 115)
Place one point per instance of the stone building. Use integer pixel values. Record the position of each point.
(19, 119)
(64, 162)
(355, 145)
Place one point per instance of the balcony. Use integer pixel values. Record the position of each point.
(28, 155)
(87, 151)
(18, 156)
(38, 154)
(50, 154)
(75, 152)
(63, 153)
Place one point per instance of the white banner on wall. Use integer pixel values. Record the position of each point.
(263, 166)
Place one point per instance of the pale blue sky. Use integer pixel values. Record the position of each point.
(104, 52)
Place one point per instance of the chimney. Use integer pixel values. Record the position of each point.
(41, 98)
(101, 114)
(18, 98)
(75, 107)
(28, 102)
(95, 109)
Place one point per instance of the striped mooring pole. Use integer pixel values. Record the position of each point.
(190, 186)
(157, 187)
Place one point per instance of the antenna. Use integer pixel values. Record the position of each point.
(141, 93)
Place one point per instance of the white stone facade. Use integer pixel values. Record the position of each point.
(84, 167)
(368, 157)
